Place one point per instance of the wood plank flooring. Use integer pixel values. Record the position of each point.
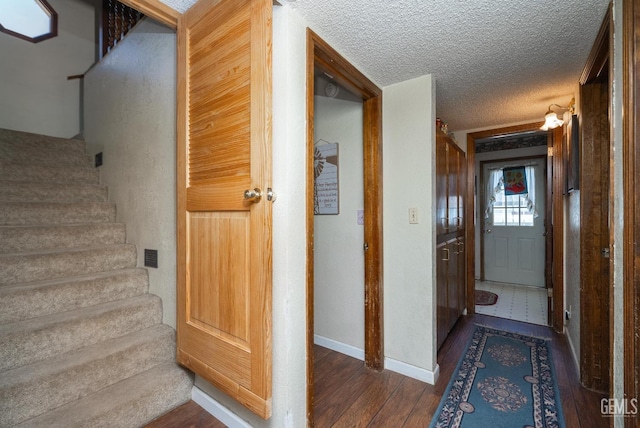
(349, 395)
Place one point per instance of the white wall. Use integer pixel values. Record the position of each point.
(339, 257)
(35, 95)
(130, 107)
(409, 258)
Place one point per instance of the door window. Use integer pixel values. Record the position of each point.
(510, 210)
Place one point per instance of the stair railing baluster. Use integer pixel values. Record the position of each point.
(118, 19)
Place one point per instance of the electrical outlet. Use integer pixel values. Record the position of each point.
(567, 315)
(413, 215)
(98, 159)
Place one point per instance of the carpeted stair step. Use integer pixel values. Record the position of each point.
(36, 266)
(51, 192)
(10, 171)
(36, 388)
(21, 238)
(34, 299)
(130, 403)
(13, 213)
(28, 341)
(34, 149)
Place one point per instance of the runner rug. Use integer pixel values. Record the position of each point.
(502, 380)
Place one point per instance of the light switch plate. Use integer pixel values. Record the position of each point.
(413, 215)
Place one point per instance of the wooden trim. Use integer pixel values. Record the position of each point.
(631, 155)
(558, 301)
(323, 57)
(310, 228)
(557, 268)
(156, 10)
(599, 54)
(548, 228)
(373, 271)
(470, 224)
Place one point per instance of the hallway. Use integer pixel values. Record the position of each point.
(348, 395)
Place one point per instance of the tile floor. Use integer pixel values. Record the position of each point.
(516, 302)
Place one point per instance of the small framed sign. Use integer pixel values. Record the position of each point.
(326, 187)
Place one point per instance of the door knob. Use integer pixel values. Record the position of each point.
(487, 231)
(253, 195)
(271, 195)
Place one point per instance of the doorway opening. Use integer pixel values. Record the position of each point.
(322, 60)
(511, 214)
(545, 272)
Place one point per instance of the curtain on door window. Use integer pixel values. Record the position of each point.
(495, 189)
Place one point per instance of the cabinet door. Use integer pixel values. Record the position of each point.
(453, 217)
(461, 278)
(452, 284)
(441, 185)
(443, 255)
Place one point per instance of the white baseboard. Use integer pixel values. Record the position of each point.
(424, 375)
(573, 350)
(343, 348)
(405, 369)
(216, 409)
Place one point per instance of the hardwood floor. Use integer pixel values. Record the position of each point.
(349, 395)
(189, 415)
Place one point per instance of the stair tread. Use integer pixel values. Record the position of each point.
(28, 191)
(65, 250)
(24, 342)
(82, 356)
(70, 316)
(120, 401)
(33, 299)
(11, 288)
(30, 237)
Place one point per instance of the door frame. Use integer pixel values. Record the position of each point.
(481, 195)
(554, 235)
(631, 156)
(321, 55)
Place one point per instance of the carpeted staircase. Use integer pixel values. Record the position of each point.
(82, 342)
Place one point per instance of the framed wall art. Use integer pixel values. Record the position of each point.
(326, 188)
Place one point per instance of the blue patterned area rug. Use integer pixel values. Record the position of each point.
(503, 380)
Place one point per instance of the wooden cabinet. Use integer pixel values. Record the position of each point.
(450, 229)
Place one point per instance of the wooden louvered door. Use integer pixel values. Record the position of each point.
(224, 239)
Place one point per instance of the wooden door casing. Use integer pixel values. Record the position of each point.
(224, 241)
(594, 238)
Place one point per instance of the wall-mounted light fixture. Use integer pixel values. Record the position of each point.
(551, 119)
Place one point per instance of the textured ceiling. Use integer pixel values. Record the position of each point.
(495, 61)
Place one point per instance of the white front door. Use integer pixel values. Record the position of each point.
(513, 232)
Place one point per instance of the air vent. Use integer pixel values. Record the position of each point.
(98, 159)
(151, 258)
